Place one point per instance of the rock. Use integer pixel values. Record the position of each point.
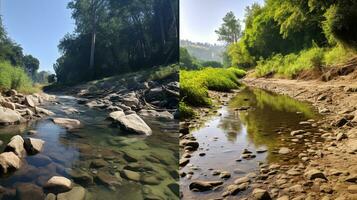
(341, 136)
(260, 194)
(284, 150)
(134, 123)
(297, 132)
(29, 101)
(50, 196)
(106, 179)
(76, 193)
(67, 123)
(39, 110)
(98, 163)
(116, 115)
(150, 180)
(8, 162)
(69, 111)
(32, 132)
(81, 177)
(8, 105)
(352, 189)
(153, 113)
(28, 191)
(130, 100)
(285, 197)
(225, 175)
(341, 122)
(58, 184)
(314, 173)
(189, 143)
(16, 145)
(95, 104)
(201, 186)
(296, 188)
(39, 160)
(242, 180)
(351, 178)
(324, 110)
(8, 116)
(11, 92)
(261, 150)
(235, 189)
(131, 175)
(33, 146)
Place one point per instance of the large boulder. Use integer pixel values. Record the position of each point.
(134, 123)
(67, 122)
(58, 184)
(33, 145)
(8, 116)
(9, 161)
(29, 101)
(16, 145)
(116, 115)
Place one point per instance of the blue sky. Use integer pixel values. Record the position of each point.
(38, 26)
(199, 18)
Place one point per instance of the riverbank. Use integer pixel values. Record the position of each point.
(336, 100)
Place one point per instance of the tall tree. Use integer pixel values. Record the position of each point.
(31, 65)
(230, 30)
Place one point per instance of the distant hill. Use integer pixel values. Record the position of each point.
(204, 51)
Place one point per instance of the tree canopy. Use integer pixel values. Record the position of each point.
(230, 30)
(129, 36)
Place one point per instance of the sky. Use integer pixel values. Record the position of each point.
(200, 18)
(38, 26)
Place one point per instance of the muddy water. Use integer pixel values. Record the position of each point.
(70, 154)
(265, 125)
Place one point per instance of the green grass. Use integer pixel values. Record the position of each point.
(290, 65)
(164, 72)
(194, 85)
(186, 111)
(15, 78)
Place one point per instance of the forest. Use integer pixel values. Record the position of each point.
(100, 46)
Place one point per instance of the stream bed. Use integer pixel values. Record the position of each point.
(96, 155)
(255, 120)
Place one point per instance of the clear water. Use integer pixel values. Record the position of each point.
(156, 155)
(223, 138)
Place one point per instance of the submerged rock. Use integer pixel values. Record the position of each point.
(8, 162)
(201, 186)
(67, 123)
(134, 123)
(76, 193)
(27, 191)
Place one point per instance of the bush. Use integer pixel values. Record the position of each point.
(14, 78)
(185, 111)
(194, 85)
(337, 55)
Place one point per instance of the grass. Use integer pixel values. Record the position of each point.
(15, 78)
(164, 72)
(289, 66)
(194, 85)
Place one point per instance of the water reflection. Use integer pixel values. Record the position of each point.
(266, 123)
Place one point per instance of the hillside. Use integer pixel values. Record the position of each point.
(203, 51)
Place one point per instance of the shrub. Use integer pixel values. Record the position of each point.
(185, 111)
(14, 78)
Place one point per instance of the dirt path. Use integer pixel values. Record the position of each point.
(331, 169)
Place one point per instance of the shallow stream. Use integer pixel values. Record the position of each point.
(265, 125)
(71, 154)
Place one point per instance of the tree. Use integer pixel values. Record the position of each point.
(230, 30)
(51, 78)
(31, 64)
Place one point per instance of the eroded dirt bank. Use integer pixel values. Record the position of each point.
(331, 169)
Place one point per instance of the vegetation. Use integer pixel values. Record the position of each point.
(230, 31)
(114, 37)
(285, 37)
(194, 85)
(16, 69)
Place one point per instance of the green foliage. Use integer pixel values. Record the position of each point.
(130, 36)
(340, 24)
(185, 111)
(164, 72)
(214, 64)
(231, 30)
(289, 66)
(31, 64)
(194, 85)
(187, 61)
(14, 78)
